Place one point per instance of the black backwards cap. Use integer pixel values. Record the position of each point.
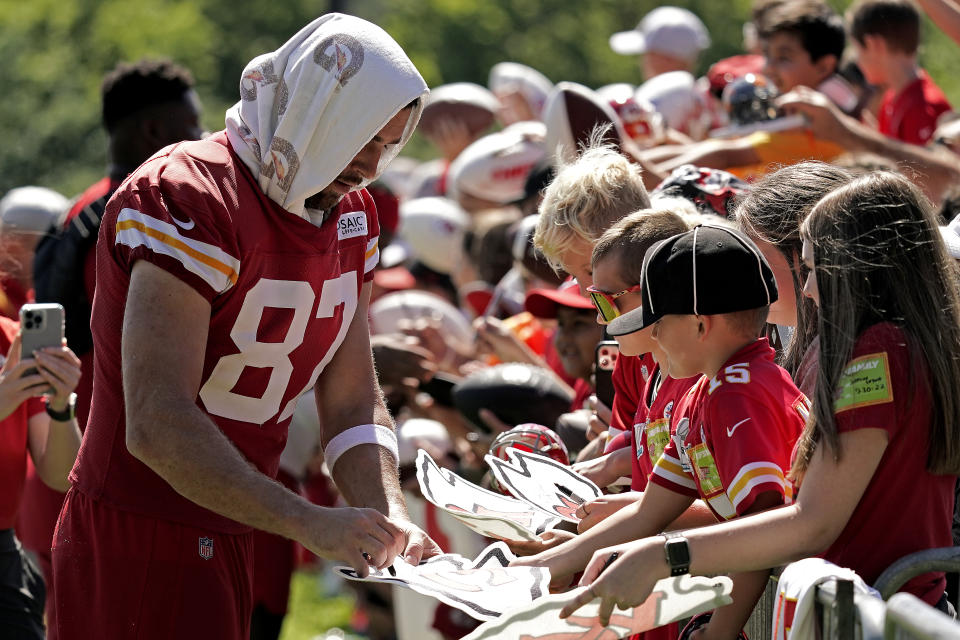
(705, 271)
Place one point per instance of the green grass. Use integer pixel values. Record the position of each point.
(312, 611)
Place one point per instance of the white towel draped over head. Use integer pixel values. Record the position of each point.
(310, 106)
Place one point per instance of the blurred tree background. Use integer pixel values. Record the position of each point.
(58, 51)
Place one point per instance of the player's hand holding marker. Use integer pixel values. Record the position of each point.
(347, 533)
(417, 545)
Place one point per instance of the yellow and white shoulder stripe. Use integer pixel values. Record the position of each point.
(757, 473)
(669, 468)
(217, 268)
(372, 256)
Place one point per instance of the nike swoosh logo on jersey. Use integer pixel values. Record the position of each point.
(730, 430)
(186, 226)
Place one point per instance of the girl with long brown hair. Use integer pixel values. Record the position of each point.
(771, 213)
(877, 460)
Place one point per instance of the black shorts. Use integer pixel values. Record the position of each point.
(22, 592)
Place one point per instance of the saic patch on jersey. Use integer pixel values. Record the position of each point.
(352, 225)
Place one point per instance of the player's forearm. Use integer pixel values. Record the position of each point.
(366, 476)
(202, 465)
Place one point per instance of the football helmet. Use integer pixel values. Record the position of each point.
(533, 438)
(530, 437)
(710, 190)
(750, 99)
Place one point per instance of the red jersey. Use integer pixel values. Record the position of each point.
(911, 115)
(282, 293)
(651, 426)
(887, 386)
(13, 441)
(734, 434)
(630, 375)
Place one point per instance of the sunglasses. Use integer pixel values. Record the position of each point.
(606, 303)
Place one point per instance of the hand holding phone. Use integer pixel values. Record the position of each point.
(42, 339)
(41, 326)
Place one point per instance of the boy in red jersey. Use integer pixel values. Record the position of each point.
(736, 426)
(886, 34)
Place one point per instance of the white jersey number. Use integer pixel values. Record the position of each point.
(217, 394)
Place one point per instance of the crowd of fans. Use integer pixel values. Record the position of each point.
(749, 242)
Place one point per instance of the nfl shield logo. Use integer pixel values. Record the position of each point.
(206, 548)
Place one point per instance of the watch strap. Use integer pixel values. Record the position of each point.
(676, 550)
(67, 414)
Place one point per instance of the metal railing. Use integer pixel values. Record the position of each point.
(910, 618)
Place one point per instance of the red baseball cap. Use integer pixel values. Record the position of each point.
(394, 279)
(543, 303)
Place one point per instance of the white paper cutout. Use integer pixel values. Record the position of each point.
(490, 514)
(543, 483)
(672, 599)
(483, 588)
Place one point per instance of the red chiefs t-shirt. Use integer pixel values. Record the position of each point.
(911, 115)
(282, 294)
(735, 433)
(651, 426)
(630, 375)
(13, 441)
(909, 507)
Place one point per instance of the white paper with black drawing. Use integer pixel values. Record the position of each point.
(543, 483)
(490, 514)
(672, 599)
(483, 588)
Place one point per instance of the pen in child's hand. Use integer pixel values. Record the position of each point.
(613, 558)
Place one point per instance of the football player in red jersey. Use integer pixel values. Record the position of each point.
(234, 275)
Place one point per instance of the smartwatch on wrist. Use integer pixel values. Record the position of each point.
(67, 414)
(677, 552)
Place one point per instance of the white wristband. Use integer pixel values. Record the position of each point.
(361, 434)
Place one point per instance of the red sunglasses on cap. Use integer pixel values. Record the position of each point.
(606, 303)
